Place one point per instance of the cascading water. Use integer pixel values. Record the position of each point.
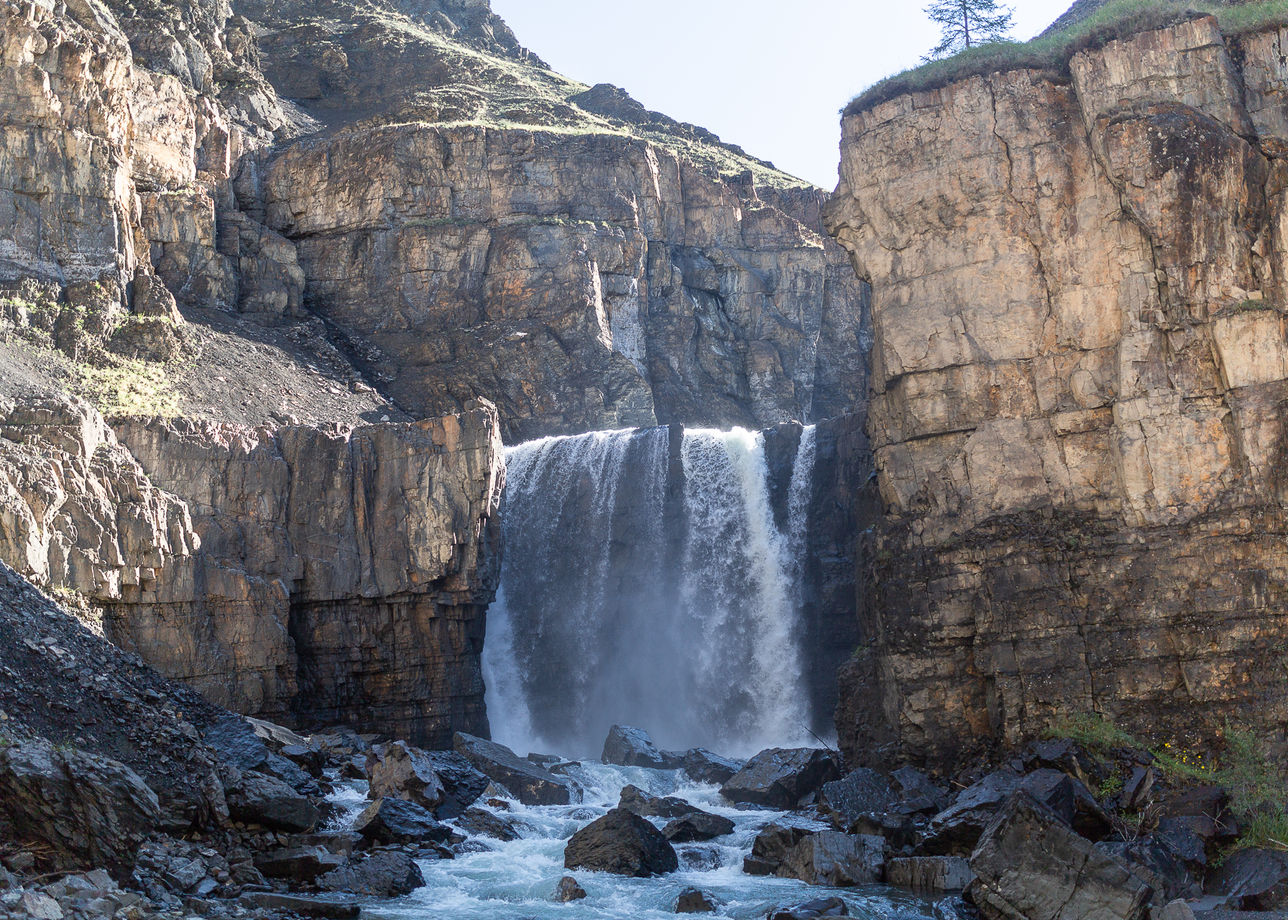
(646, 582)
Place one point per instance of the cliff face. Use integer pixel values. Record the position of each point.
(297, 570)
(1079, 375)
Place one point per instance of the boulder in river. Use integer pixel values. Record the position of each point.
(835, 859)
(568, 889)
(442, 781)
(693, 901)
(382, 874)
(623, 843)
(390, 820)
(637, 800)
(704, 767)
(1030, 863)
(531, 784)
(632, 747)
(697, 825)
(771, 847)
(819, 907)
(479, 822)
(781, 777)
(260, 799)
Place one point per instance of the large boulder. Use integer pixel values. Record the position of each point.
(929, 874)
(781, 777)
(479, 822)
(770, 848)
(860, 793)
(704, 767)
(390, 820)
(835, 859)
(694, 901)
(623, 843)
(637, 800)
(298, 864)
(1253, 880)
(1030, 863)
(237, 741)
(697, 825)
(382, 874)
(255, 798)
(86, 810)
(531, 784)
(819, 907)
(632, 747)
(442, 781)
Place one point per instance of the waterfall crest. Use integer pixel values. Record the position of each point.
(646, 581)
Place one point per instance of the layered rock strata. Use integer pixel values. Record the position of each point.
(1079, 381)
(309, 575)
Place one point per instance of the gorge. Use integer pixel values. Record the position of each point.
(552, 486)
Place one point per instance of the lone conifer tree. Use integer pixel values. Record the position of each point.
(967, 23)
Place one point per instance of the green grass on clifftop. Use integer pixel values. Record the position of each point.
(1052, 53)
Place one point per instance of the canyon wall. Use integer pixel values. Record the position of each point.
(1079, 374)
(306, 575)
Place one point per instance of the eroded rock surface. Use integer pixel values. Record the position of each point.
(1079, 372)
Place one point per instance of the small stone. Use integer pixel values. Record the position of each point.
(568, 890)
(693, 901)
(39, 906)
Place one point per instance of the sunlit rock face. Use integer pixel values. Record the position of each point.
(1079, 382)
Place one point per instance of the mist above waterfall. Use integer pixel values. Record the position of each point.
(648, 581)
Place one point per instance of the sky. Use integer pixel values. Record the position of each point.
(768, 75)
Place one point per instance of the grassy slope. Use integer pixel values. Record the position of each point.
(1051, 52)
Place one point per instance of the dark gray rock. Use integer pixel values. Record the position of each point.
(696, 826)
(693, 901)
(479, 822)
(1156, 865)
(256, 798)
(1030, 863)
(819, 907)
(390, 820)
(835, 859)
(704, 767)
(632, 747)
(918, 794)
(860, 792)
(1253, 880)
(637, 800)
(569, 890)
(929, 874)
(781, 777)
(235, 742)
(442, 781)
(382, 874)
(326, 908)
(770, 848)
(699, 858)
(623, 843)
(531, 784)
(298, 864)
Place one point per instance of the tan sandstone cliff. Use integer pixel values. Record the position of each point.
(1079, 378)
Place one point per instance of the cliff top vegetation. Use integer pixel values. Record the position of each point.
(1054, 49)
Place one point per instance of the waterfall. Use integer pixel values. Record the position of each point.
(646, 581)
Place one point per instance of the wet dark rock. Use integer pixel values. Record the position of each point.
(1030, 863)
(298, 864)
(82, 808)
(637, 800)
(381, 874)
(311, 760)
(632, 747)
(1253, 880)
(918, 794)
(545, 760)
(442, 781)
(623, 843)
(900, 831)
(569, 890)
(699, 858)
(389, 820)
(819, 907)
(1205, 809)
(771, 847)
(704, 767)
(531, 784)
(327, 908)
(693, 901)
(835, 859)
(1184, 842)
(478, 822)
(236, 742)
(1069, 799)
(781, 777)
(1135, 793)
(929, 874)
(255, 798)
(1155, 864)
(860, 792)
(696, 826)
